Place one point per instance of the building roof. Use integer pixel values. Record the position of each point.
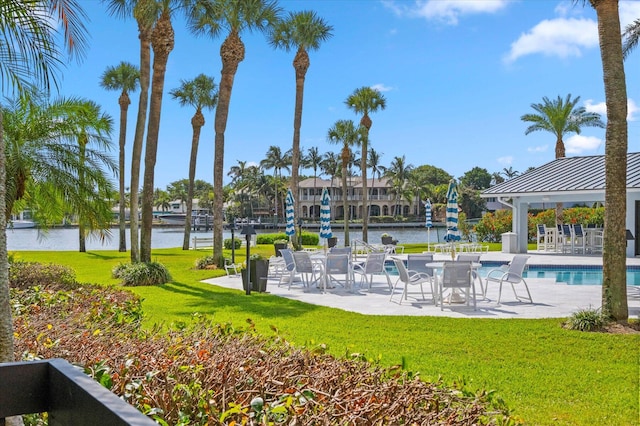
(578, 176)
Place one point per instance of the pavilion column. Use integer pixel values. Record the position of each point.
(520, 223)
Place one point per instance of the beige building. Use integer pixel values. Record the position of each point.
(382, 200)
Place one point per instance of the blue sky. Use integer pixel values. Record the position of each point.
(457, 76)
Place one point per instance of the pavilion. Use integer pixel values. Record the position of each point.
(568, 180)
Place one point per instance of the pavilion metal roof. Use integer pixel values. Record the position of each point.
(568, 175)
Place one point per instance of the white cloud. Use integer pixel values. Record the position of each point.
(578, 144)
(448, 11)
(541, 148)
(560, 37)
(381, 87)
(629, 11)
(505, 161)
(601, 108)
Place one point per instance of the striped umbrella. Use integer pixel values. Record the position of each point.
(325, 215)
(290, 230)
(453, 234)
(428, 223)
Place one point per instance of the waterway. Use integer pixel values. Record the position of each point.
(66, 239)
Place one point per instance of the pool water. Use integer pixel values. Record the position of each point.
(569, 274)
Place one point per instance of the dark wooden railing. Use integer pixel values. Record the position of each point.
(69, 396)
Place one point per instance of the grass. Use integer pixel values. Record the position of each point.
(546, 374)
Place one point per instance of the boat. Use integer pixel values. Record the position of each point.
(21, 224)
(178, 219)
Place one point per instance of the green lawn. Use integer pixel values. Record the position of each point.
(545, 374)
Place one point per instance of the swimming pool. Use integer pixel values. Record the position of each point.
(568, 274)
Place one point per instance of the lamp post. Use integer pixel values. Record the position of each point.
(300, 222)
(232, 225)
(248, 231)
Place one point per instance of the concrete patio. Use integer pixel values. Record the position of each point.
(551, 299)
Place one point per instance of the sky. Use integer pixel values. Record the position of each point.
(457, 76)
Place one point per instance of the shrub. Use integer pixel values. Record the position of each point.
(205, 262)
(227, 243)
(137, 274)
(29, 274)
(586, 320)
(270, 238)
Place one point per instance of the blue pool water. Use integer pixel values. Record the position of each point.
(567, 274)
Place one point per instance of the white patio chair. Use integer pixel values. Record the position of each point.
(410, 278)
(373, 265)
(457, 275)
(338, 264)
(289, 271)
(418, 263)
(310, 271)
(541, 237)
(579, 239)
(511, 274)
(473, 258)
(567, 239)
(229, 267)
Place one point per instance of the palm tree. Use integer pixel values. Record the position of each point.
(211, 17)
(312, 160)
(510, 173)
(161, 200)
(496, 178)
(277, 161)
(365, 100)
(399, 172)
(303, 31)
(344, 132)
(30, 57)
(560, 117)
(631, 36)
(125, 78)
(199, 93)
(373, 160)
(137, 9)
(614, 289)
(162, 42)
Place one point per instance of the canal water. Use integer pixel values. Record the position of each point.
(61, 239)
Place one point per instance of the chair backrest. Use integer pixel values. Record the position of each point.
(337, 264)
(456, 274)
(417, 262)
(566, 230)
(577, 230)
(340, 250)
(288, 259)
(302, 261)
(467, 257)
(516, 268)
(541, 230)
(402, 270)
(374, 263)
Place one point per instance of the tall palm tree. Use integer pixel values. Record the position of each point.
(312, 160)
(125, 78)
(365, 100)
(560, 117)
(614, 289)
(211, 17)
(399, 172)
(277, 160)
(138, 10)
(373, 160)
(509, 173)
(30, 57)
(200, 93)
(162, 42)
(344, 132)
(303, 31)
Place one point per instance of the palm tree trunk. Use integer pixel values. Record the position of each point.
(124, 102)
(196, 123)
(301, 65)
(162, 46)
(232, 53)
(345, 204)
(136, 155)
(614, 259)
(6, 320)
(365, 197)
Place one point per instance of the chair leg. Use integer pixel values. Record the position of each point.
(500, 292)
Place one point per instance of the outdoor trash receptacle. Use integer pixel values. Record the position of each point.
(509, 242)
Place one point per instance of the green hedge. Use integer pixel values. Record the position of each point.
(308, 239)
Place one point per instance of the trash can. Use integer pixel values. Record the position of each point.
(509, 242)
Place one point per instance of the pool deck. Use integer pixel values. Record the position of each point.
(551, 299)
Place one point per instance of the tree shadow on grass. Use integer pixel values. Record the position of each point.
(209, 300)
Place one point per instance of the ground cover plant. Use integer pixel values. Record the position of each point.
(548, 375)
(210, 373)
